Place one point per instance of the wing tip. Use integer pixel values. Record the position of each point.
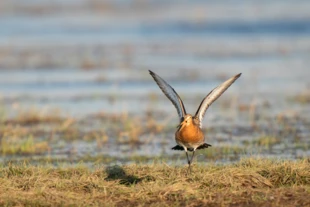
(153, 75)
(238, 75)
(151, 72)
(177, 147)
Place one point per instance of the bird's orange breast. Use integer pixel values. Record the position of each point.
(190, 134)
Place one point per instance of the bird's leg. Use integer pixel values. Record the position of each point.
(192, 157)
(189, 163)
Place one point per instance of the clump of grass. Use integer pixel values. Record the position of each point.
(218, 152)
(9, 130)
(131, 131)
(35, 116)
(266, 141)
(255, 182)
(25, 146)
(302, 98)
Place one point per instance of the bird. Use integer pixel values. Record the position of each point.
(189, 136)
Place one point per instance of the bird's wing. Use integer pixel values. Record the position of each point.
(170, 93)
(212, 96)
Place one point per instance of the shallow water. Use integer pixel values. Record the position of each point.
(85, 57)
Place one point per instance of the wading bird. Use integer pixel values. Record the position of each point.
(189, 136)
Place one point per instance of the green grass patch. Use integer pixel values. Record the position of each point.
(22, 146)
(266, 141)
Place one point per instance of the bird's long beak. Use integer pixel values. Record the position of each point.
(181, 124)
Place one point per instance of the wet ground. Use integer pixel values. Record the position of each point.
(74, 82)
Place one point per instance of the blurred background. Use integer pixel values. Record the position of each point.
(74, 81)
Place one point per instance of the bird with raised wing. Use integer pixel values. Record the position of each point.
(189, 136)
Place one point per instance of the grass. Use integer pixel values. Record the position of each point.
(22, 146)
(45, 133)
(29, 176)
(302, 98)
(34, 116)
(250, 182)
(266, 141)
(15, 141)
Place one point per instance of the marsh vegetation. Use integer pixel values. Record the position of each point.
(82, 122)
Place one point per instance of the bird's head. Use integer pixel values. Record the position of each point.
(185, 121)
(188, 119)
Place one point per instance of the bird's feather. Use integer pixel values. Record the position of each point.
(170, 93)
(212, 96)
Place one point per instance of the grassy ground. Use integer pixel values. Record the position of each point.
(251, 182)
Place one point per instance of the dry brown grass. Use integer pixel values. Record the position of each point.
(251, 182)
(33, 116)
(302, 98)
